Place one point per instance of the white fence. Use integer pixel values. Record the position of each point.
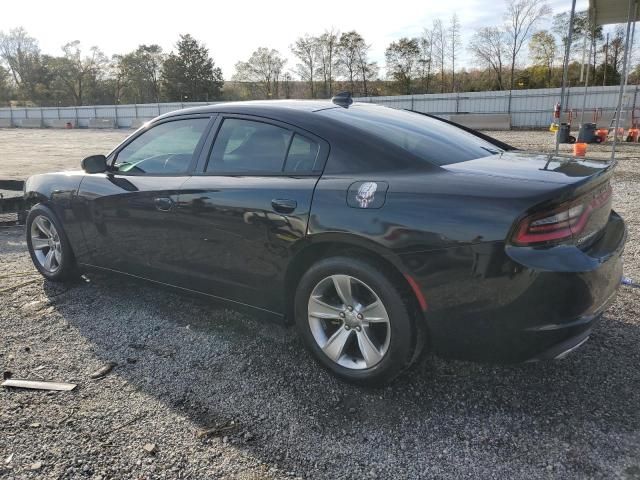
(124, 116)
(528, 109)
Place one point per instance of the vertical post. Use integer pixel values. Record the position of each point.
(75, 109)
(623, 79)
(586, 80)
(412, 103)
(10, 115)
(565, 69)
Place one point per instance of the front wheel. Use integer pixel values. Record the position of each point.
(49, 247)
(355, 321)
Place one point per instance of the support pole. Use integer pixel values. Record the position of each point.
(623, 78)
(565, 70)
(586, 80)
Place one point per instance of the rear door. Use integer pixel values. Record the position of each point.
(247, 206)
(130, 210)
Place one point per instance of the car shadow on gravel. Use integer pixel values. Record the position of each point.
(214, 365)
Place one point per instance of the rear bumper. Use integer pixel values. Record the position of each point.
(507, 304)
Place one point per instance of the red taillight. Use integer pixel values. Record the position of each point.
(561, 223)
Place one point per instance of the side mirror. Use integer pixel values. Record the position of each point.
(95, 164)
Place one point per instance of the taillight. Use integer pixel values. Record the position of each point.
(562, 223)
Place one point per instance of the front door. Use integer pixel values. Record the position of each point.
(130, 210)
(247, 208)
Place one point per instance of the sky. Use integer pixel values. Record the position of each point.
(232, 30)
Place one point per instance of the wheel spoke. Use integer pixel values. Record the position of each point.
(335, 345)
(369, 351)
(342, 284)
(48, 261)
(58, 256)
(39, 243)
(323, 310)
(375, 313)
(40, 223)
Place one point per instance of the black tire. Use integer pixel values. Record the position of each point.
(67, 269)
(404, 334)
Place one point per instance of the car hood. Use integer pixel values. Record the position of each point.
(534, 167)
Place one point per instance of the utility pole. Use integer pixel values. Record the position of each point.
(606, 62)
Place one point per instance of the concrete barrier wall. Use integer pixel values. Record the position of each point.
(60, 123)
(102, 123)
(5, 123)
(483, 121)
(138, 122)
(31, 123)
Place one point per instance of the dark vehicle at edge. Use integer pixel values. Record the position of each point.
(381, 233)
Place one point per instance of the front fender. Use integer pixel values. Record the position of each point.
(58, 191)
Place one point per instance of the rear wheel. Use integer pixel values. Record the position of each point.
(48, 245)
(355, 321)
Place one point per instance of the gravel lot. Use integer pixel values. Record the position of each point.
(185, 365)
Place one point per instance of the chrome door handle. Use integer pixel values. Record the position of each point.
(283, 205)
(164, 204)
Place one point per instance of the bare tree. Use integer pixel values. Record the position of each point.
(21, 54)
(350, 44)
(426, 59)
(489, 48)
(263, 70)
(328, 46)
(79, 72)
(368, 70)
(306, 50)
(440, 49)
(453, 44)
(520, 19)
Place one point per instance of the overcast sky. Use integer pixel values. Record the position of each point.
(233, 29)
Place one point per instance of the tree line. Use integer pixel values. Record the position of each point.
(322, 64)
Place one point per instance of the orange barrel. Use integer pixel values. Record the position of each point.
(579, 149)
(634, 133)
(602, 133)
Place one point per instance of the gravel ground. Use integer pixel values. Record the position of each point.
(185, 365)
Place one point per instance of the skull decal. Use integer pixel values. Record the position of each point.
(366, 193)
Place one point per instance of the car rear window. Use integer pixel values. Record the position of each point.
(427, 138)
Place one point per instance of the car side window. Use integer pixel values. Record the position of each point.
(167, 148)
(302, 155)
(246, 146)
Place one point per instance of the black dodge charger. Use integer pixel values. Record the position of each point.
(380, 233)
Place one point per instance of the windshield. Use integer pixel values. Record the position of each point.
(425, 137)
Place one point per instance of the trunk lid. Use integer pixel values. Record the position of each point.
(576, 206)
(535, 167)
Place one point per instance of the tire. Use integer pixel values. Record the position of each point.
(337, 337)
(51, 254)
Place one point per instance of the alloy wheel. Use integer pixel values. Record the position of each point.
(46, 244)
(349, 322)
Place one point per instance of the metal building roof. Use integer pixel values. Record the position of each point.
(606, 12)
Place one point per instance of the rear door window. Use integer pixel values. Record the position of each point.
(302, 155)
(247, 146)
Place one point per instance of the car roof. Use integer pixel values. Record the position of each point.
(258, 106)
